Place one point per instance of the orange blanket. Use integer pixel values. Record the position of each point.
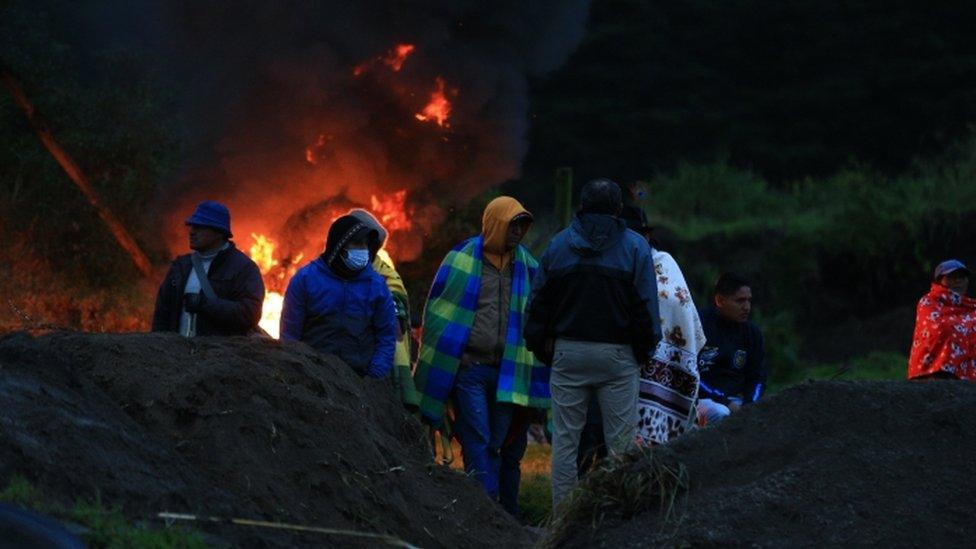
(945, 335)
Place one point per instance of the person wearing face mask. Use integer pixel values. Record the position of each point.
(338, 304)
(473, 351)
(944, 344)
(383, 264)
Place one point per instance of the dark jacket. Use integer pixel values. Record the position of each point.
(354, 318)
(240, 292)
(733, 362)
(595, 283)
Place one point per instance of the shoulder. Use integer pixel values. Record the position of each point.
(636, 242)
(526, 255)
(240, 260)
(753, 330)
(466, 244)
(374, 277)
(309, 270)
(180, 261)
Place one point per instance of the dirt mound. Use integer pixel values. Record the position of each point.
(235, 427)
(827, 463)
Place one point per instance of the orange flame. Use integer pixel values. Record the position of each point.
(394, 59)
(438, 108)
(276, 278)
(398, 55)
(392, 211)
(312, 151)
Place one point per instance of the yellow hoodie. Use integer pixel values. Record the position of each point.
(498, 215)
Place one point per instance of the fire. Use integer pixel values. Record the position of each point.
(271, 314)
(392, 211)
(394, 59)
(262, 253)
(276, 278)
(398, 55)
(438, 108)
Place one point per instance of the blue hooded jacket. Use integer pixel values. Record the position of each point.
(354, 319)
(596, 282)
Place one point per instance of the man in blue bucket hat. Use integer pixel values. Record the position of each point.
(216, 289)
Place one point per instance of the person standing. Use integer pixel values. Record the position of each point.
(214, 291)
(593, 316)
(733, 363)
(338, 304)
(473, 351)
(383, 264)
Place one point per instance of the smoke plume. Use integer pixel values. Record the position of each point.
(299, 109)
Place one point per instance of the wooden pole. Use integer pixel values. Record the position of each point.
(564, 196)
(74, 172)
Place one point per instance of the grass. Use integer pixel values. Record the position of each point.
(535, 492)
(625, 485)
(874, 366)
(102, 527)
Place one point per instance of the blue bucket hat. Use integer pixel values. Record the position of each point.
(949, 266)
(212, 214)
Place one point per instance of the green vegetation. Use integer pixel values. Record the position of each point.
(647, 479)
(535, 493)
(102, 527)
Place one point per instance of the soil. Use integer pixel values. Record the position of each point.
(235, 427)
(823, 464)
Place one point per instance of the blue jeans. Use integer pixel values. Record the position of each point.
(481, 423)
(510, 473)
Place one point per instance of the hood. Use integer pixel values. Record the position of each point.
(591, 234)
(494, 227)
(371, 222)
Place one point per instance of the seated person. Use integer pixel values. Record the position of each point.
(733, 363)
(944, 345)
(338, 304)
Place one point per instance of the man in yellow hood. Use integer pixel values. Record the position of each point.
(473, 351)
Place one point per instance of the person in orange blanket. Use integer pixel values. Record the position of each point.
(944, 345)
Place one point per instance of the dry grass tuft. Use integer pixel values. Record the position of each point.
(625, 486)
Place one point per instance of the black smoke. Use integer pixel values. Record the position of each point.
(282, 129)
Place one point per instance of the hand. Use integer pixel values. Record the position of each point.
(734, 407)
(193, 303)
(550, 350)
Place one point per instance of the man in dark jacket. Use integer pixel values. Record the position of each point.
(733, 363)
(228, 301)
(593, 316)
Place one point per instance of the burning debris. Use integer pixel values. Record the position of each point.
(438, 109)
(304, 110)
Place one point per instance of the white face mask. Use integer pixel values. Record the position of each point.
(356, 259)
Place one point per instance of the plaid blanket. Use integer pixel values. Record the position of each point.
(448, 319)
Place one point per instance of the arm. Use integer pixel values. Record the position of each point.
(757, 371)
(243, 309)
(163, 310)
(646, 312)
(293, 310)
(711, 393)
(385, 323)
(537, 313)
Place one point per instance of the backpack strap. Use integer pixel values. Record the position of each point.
(205, 286)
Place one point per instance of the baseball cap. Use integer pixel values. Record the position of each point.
(949, 266)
